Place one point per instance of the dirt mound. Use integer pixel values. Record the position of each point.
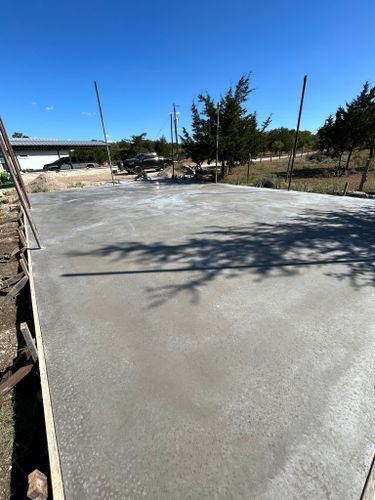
(181, 172)
(44, 183)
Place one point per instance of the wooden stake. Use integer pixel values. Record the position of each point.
(38, 486)
(16, 289)
(29, 341)
(24, 265)
(10, 382)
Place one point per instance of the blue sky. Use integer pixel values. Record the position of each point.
(146, 55)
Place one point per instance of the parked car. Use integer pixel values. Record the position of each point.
(145, 161)
(66, 163)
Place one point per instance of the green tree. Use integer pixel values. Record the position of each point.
(162, 147)
(353, 127)
(19, 135)
(239, 134)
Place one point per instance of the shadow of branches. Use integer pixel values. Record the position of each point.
(341, 239)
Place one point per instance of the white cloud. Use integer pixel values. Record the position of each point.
(88, 113)
(49, 108)
(34, 103)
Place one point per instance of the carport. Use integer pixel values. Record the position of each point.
(33, 154)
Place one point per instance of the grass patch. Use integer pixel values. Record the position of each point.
(76, 185)
(7, 185)
(309, 175)
(6, 443)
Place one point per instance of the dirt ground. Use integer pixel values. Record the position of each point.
(8, 337)
(58, 181)
(309, 176)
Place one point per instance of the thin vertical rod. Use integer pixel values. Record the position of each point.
(21, 196)
(175, 131)
(287, 170)
(104, 132)
(297, 131)
(14, 159)
(170, 115)
(248, 170)
(217, 140)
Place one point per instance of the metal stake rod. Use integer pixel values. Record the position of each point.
(21, 196)
(287, 170)
(104, 132)
(16, 164)
(175, 131)
(297, 131)
(171, 119)
(217, 140)
(248, 170)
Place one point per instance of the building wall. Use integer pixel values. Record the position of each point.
(35, 160)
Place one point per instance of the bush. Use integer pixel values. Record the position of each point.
(266, 182)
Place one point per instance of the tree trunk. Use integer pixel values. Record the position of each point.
(340, 158)
(365, 170)
(346, 171)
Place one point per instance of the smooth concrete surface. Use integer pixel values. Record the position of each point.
(208, 342)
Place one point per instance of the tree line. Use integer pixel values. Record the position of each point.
(240, 135)
(351, 128)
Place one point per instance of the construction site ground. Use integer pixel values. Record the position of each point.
(208, 341)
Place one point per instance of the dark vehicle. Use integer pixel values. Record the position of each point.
(145, 161)
(67, 164)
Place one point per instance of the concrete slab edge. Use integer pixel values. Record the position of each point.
(369, 488)
(53, 452)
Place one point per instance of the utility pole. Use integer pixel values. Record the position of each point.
(175, 131)
(217, 140)
(297, 131)
(104, 132)
(170, 115)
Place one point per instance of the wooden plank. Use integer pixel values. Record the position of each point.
(15, 251)
(22, 237)
(10, 382)
(29, 341)
(23, 264)
(16, 289)
(11, 281)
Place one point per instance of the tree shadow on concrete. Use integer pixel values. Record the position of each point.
(343, 242)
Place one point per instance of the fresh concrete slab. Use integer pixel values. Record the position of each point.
(208, 341)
